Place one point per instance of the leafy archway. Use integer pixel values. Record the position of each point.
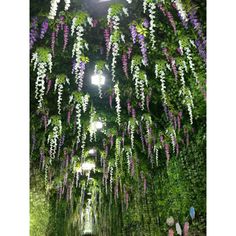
(118, 116)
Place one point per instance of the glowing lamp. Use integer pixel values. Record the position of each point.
(97, 125)
(98, 79)
(92, 151)
(88, 166)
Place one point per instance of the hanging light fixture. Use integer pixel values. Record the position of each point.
(92, 151)
(97, 125)
(98, 79)
(88, 166)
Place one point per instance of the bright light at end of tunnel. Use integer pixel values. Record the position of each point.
(87, 166)
(98, 79)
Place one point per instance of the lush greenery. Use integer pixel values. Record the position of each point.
(147, 163)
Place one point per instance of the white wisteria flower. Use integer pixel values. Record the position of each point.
(42, 66)
(152, 13)
(90, 21)
(115, 53)
(191, 64)
(118, 107)
(145, 4)
(85, 100)
(53, 9)
(161, 74)
(181, 10)
(125, 10)
(78, 121)
(67, 4)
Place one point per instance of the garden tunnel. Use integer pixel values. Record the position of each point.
(117, 117)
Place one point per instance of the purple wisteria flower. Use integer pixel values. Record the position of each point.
(66, 36)
(53, 40)
(49, 84)
(110, 101)
(146, 23)
(173, 67)
(201, 41)
(57, 30)
(195, 22)
(167, 151)
(134, 33)
(160, 6)
(162, 139)
(201, 46)
(143, 47)
(133, 113)
(44, 29)
(168, 15)
(125, 64)
(171, 20)
(129, 52)
(180, 51)
(107, 39)
(45, 119)
(33, 32)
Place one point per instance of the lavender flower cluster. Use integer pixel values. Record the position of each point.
(133, 32)
(125, 64)
(33, 32)
(201, 41)
(66, 36)
(143, 46)
(44, 29)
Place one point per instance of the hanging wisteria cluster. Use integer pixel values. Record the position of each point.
(59, 84)
(54, 6)
(140, 79)
(79, 47)
(42, 60)
(113, 22)
(118, 107)
(53, 137)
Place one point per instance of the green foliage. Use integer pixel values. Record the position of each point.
(39, 209)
